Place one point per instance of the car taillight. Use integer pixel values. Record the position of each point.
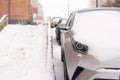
(80, 48)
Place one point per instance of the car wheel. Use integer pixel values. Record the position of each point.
(59, 42)
(58, 39)
(65, 73)
(65, 68)
(62, 55)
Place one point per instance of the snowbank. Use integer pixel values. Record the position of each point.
(23, 53)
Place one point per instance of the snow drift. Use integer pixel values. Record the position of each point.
(23, 53)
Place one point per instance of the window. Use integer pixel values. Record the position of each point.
(70, 21)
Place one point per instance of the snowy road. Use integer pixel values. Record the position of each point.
(57, 57)
(23, 53)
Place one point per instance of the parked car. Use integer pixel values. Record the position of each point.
(55, 21)
(90, 45)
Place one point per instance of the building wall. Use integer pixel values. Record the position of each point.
(40, 12)
(3, 7)
(16, 9)
(105, 3)
(37, 10)
(20, 9)
(34, 3)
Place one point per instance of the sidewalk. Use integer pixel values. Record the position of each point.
(23, 53)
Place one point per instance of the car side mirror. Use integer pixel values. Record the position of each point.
(61, 26)
(55, 22)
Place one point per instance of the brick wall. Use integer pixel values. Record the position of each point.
(19, 9)
(3, 7)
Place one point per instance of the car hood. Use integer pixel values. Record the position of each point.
(102, 53)
(100, 31)
(92, 63)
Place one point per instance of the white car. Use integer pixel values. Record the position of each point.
(90, 45)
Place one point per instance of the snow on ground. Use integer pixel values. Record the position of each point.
(58, 65)
(23, 53)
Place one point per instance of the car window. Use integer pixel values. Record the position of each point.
(70, 21)
(69, 24)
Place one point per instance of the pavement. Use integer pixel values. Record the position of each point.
(23, 53)
(26, 53)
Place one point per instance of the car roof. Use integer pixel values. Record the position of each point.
(97, 9)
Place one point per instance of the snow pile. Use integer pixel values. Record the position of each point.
(23, 53)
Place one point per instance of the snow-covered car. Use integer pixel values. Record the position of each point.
(90, 45)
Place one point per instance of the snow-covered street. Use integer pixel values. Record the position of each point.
(58, 64)
(23, 53)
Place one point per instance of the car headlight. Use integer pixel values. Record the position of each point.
(80, 48)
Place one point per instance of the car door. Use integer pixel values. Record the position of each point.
(64, 33)
(70, 55)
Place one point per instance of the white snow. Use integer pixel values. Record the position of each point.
(23, 53)
(100, 31)
(58, 64)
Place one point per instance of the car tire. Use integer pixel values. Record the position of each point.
(59, 42)
(65, 73)
(62, 55)
(58, 39)
(65, 68)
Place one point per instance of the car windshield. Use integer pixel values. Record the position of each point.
(100, 31)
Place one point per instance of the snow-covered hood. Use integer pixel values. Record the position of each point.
(100, 31)
(93, 63)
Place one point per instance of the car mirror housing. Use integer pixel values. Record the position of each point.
(62, 27)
